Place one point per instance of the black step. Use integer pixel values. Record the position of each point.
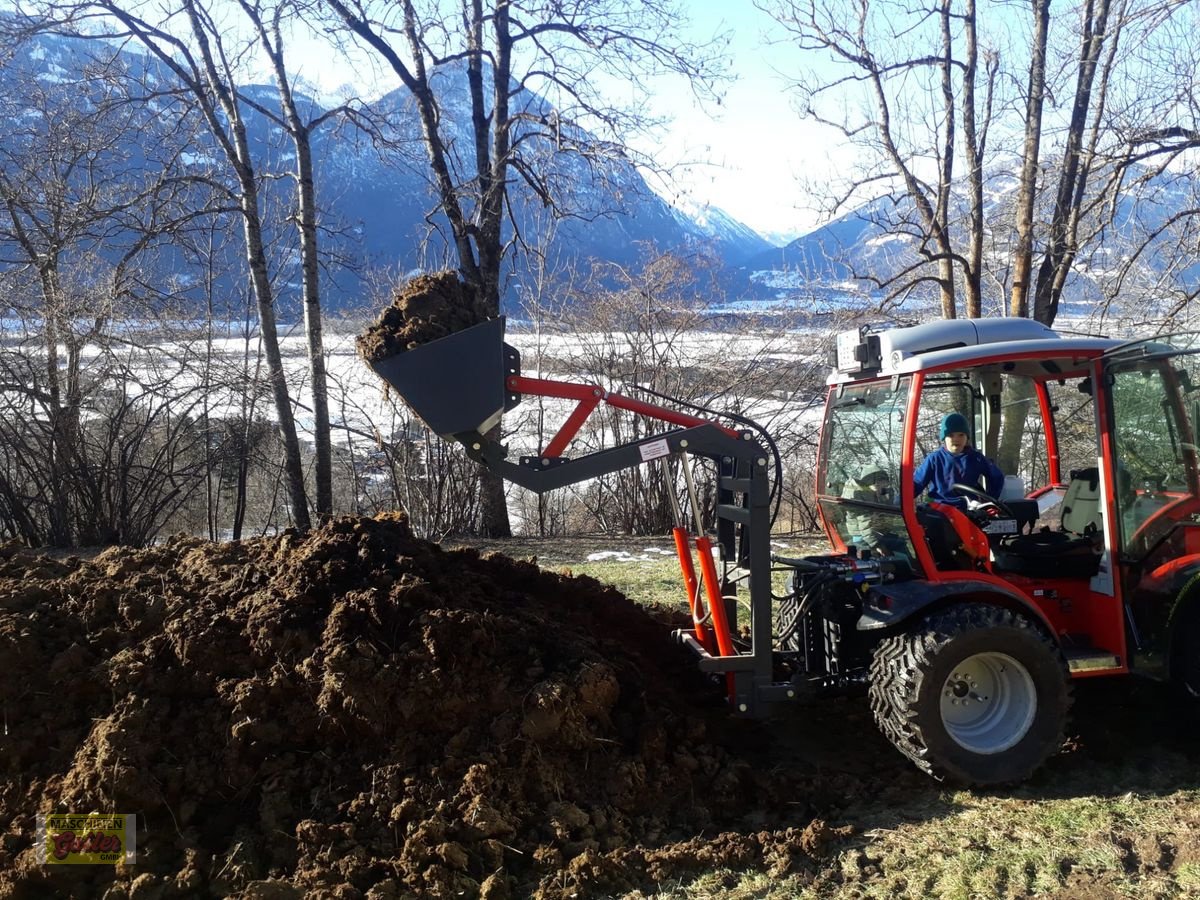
(1088, 659)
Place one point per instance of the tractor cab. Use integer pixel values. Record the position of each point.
(1096, 442)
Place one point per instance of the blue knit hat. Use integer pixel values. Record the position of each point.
(954, 422)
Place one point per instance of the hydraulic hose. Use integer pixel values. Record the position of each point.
(776, 494)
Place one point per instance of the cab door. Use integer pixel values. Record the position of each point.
(1153, 406)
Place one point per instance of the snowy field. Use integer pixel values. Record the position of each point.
(359, 401)
(362, 409)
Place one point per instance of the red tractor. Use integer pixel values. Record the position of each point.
(965, 627)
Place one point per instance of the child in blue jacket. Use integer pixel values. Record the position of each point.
(956, 462)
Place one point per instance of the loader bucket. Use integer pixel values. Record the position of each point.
(456, 383)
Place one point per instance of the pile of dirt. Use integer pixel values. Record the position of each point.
(424, 309)
(359, 713)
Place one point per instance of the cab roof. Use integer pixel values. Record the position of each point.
(1020, 346)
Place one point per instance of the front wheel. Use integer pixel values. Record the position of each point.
(974, 693)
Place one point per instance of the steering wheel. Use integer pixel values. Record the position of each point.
(984, 498)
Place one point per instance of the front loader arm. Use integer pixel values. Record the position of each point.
(462, 384)
(546, 473)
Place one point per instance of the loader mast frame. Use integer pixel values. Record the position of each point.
(742, 514)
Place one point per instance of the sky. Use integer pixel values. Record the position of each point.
(745, 156)
(753, 150)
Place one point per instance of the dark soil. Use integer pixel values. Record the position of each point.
(357, 712)
(360, 713)
(424, 309)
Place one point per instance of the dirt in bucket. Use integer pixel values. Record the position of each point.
(356, 712)
(424, 309)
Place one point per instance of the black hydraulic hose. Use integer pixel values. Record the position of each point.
(776, 495)
(804, 600)
(796, 563)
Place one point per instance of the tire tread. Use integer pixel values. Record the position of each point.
(903, 662)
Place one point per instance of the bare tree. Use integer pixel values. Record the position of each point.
(189, 43)
(267, 21)
(1027, 180)
(1097, 54)
(975, 130)
(81, 220)
(648, 332)
(903, 65)
(879, 75)
(495, 53)
(1157, 117)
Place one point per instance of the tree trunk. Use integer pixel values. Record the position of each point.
(946, 178)
(306, 203)
(256, 259)
(211, 83)
(306, 196)
(973, 153)
(493, 506)
(1072, 181)
(1018, 395)
(1023, 252)
(59, 531)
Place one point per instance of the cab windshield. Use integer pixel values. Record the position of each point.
(858, 482)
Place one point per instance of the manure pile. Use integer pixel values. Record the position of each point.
(424, 309)
(358, 713)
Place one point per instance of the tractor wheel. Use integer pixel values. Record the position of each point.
(1185, 662)
(973, 693)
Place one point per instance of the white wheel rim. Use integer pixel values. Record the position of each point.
(988, 703)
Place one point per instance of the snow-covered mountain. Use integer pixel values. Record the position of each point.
(711, 224)
(1142, 252)
(379, 208)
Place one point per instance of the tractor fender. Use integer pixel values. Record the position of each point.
(887, 605)
(1173, 579)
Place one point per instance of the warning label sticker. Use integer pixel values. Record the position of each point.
(654, 450)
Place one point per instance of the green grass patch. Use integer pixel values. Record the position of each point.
(651, 582)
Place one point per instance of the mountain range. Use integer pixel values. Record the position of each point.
(379, 211)
(1145, 250)
(378, 208)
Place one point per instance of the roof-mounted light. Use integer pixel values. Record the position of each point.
(857, 351)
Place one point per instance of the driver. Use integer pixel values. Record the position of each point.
(956, 462)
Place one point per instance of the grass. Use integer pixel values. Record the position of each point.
(1118, 819)
(647, 569)
(989, 846)
(996, 846)
(655, 581)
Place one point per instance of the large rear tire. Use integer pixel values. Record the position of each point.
(1185, 655)
(787, 620)
(974, 693)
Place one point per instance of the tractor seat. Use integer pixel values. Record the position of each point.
(1081, 504)
(1073, 552)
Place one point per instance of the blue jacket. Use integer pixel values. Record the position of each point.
(941, 468)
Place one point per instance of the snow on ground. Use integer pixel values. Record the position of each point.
(648, 554)
(363, 412)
